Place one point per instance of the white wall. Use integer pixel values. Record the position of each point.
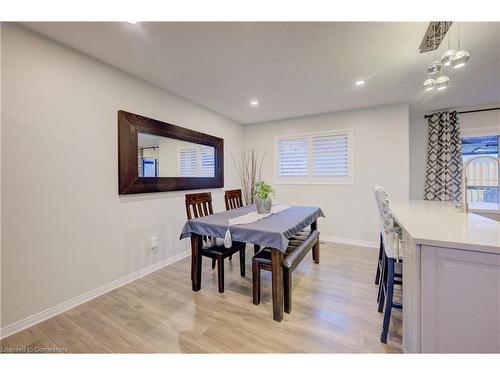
(381, 156)
(418, 154)
(471, 124)
(65, 229)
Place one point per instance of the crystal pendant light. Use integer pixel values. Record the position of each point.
(429, 84)
(447, 56)
(460, 59)
(434, 67)
(462, 56)
(441, 82)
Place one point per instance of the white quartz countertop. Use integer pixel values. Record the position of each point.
(441, 224)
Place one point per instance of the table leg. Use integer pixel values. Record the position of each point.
(277, 283)
(196, 244)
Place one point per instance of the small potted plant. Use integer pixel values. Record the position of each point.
(263, 192)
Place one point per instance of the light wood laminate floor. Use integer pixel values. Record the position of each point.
(334, 311)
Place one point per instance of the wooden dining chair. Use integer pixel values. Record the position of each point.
(234, 199)
(198, 205)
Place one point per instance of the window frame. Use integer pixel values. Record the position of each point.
(310, 179)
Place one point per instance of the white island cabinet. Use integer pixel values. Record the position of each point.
(451, 279)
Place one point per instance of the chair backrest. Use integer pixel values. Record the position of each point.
(198, 205)
(387, 229)
(233, 198)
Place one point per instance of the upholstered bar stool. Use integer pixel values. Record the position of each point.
(389, 268)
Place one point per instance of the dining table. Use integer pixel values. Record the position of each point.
(271, 231)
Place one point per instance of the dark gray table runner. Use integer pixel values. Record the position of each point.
(272, 231)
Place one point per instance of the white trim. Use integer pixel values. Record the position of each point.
(87, 296)
(350, 241)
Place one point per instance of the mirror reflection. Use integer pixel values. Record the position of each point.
(168, 157)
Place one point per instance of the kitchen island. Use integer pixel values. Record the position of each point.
(451, 279)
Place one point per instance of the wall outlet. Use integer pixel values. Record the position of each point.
(154, 242)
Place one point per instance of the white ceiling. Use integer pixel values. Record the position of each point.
(292, 69)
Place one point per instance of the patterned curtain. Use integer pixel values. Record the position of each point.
(444, 158)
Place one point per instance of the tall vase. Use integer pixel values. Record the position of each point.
(263, 205)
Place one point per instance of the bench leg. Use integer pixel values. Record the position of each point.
(242, 262)
(315, 251)
(287, 290)
(256, 282)
(220, 274)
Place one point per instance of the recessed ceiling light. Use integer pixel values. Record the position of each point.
(254, 103)
(359, 83)
(132, 22)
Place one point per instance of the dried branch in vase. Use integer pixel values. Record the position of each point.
(247, 167)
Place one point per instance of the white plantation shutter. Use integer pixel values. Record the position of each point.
(188, 162)
(316, 158)
(207, 161)
(292, 156)
(330, 155)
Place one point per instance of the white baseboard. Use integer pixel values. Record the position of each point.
(350, 241)
(73, 302)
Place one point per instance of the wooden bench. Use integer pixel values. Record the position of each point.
(297, 249)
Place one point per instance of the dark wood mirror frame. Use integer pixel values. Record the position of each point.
(130, 125)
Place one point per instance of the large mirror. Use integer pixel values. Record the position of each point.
(157, 156)
(167, 157)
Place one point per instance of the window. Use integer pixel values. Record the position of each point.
(319, 158)
(188, 162)
(482, 172)
(330, 155)
(197, 161)
(149, 167)
(207, 161)
(148, 161)
(292, 156)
